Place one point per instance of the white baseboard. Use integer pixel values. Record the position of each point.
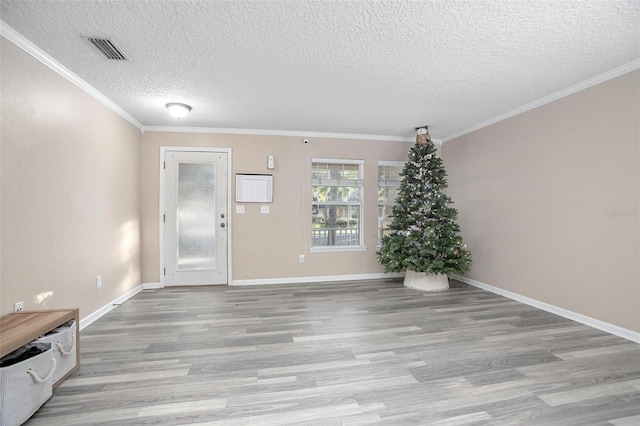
(583, 319)
(326, 278)
(151, 286)
(94, 316)
(591, 322)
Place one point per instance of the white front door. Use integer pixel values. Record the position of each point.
(195, 218)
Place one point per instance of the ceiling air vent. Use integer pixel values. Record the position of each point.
(106, 47)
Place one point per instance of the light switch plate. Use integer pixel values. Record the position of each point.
(240, 209)
(264, 209)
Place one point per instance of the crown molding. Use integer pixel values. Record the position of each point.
(600, 78)
(19, 40)
(264, 132)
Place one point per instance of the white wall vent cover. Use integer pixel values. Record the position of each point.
(106, 47)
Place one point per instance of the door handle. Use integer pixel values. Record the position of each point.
(222, 225)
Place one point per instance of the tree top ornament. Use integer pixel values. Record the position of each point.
(423, 137)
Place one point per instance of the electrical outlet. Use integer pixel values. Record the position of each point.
(98, 281)
(264, 209)
(301, 258)
(18, 307)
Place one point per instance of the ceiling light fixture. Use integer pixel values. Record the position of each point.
(178, 110)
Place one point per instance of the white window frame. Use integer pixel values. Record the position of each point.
(387, 203)
(361, 246)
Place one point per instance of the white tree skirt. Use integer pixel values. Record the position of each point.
(425, 282)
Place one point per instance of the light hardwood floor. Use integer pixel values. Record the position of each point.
(350, 353)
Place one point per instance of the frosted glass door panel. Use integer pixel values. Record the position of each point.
(196, 217)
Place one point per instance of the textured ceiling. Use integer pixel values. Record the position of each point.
(363, 67)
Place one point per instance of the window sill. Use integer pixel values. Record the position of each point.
(330, 249)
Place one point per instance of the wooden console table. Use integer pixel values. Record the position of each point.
(19, 328)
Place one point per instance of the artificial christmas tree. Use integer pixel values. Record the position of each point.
(424, 237)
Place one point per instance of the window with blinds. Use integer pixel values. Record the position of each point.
(336, 206)
(388, 183)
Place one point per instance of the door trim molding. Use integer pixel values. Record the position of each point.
(163, 152)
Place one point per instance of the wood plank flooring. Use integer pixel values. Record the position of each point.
(351, 353)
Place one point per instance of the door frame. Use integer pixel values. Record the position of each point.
(163, 153)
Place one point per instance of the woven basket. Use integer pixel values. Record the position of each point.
(25, 386)
(63, 340)
(425, 282)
